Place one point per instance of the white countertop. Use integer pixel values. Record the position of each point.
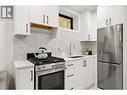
(84, 56)
(20, 64)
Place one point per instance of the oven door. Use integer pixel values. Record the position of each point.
(50, 79)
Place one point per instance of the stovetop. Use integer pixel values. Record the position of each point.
(48, 60)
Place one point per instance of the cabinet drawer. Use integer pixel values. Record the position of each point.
(69, 71)
(69, 82)
(70, 65)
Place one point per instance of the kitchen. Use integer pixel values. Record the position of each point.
(65, 35)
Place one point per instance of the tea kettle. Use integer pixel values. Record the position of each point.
(42, 55)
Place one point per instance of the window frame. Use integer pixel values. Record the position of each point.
(67, 17)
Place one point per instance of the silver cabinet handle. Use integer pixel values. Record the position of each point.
(110, 21)
(84, 63)
(47, 19)
(26, 27)
(70, 65)
(31, 75)
(107, 22)
(88, 36)
(43, 18)
(70, 75)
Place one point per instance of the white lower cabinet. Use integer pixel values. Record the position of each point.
(25, 78)
(91, 71)
(24, 75)
(70, 75)
(80, 74)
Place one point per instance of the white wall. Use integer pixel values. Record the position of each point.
(6, 46)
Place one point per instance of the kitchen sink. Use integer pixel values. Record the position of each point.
(75, 56)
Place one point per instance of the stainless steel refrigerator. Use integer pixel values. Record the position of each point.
(110, 57)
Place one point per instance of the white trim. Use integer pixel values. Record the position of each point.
(68, 30)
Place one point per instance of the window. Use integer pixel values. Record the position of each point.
(65, 21)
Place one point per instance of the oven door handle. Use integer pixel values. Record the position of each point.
(39, 73)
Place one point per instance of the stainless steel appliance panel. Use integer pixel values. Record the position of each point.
(110, 76)
(110, 44)
(110, 57)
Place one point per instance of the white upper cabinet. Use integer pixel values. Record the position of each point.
(37, 14)
(25, 15)
(116, 14)
(46, 15)
(88, 26)
(52, 15)
(22, 20)
(109, 15)
(102, 15)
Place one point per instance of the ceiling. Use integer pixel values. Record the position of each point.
(81, 8)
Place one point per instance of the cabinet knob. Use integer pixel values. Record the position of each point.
(84, 63)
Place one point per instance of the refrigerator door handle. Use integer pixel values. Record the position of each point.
(112, 63)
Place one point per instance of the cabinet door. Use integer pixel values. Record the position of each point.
(51, 15)
(102, 15)
(91, 70)
(37, 14)
(92, 36)
(81, 74)
(47, 15)
(84, 26)
(26, 78)
(22, 20)
(116, 14)
(69, 82)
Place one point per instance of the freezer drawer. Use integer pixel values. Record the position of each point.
(110, 76)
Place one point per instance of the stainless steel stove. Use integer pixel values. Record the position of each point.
(49, 72)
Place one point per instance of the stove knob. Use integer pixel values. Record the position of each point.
(43, 66)
(53, 66)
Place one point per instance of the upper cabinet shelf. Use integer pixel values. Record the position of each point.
(45, 17)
